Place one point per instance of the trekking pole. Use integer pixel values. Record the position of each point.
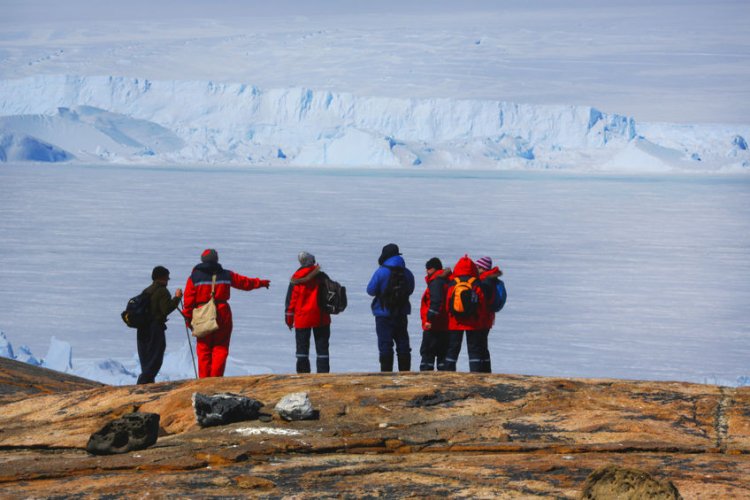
(190, 344)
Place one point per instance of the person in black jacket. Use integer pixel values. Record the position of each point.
(152, 340)
(434, 313)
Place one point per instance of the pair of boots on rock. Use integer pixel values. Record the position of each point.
(386, 362)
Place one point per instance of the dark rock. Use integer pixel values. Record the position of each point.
(134, 431)
(627, 484)
(224, 408)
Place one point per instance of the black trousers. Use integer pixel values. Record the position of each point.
(433, 349)
(479, 353)
(455, 339)
(152, 343)
(322, 335)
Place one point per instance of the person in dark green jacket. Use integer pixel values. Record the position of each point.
(152, 340)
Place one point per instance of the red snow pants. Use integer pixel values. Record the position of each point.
(212, 352)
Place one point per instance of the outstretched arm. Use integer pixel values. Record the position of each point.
(244, 283)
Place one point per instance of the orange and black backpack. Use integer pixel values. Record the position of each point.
(464, 299)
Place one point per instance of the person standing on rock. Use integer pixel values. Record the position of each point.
(494, 290)
(434, 316)
(152, 341)
(466, 301)
(213, 349)
(390, 286)
(304, 314)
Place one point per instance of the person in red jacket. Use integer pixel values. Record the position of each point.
(304, 314)
(213, 349)
(470, 319)
(434, 316)
(489, 277)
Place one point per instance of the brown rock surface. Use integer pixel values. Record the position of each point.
(393, 435)
(19, 380)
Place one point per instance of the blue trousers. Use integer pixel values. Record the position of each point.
(392, 330)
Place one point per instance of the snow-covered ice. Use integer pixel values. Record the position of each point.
(598, 152)
(640, 277)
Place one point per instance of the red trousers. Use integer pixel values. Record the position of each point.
(212, 352)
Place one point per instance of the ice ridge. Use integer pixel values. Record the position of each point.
(132, 120)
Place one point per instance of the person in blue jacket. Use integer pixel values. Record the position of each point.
(390, 286)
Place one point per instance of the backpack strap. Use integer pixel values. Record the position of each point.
(213, 285)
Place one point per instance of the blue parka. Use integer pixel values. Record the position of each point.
(379, 281)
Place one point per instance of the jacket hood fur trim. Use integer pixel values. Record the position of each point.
(305, 274)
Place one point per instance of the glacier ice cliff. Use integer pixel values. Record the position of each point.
(131, 120)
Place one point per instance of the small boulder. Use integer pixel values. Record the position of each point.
(295, 406)
(627, 484)
(224, 408)
(134, 431)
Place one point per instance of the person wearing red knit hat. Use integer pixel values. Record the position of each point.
(213, 349)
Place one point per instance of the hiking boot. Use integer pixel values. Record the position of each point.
(404, 362)
(386, 362)
(303, 365)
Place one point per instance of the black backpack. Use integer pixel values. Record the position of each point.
(331, 295)
(137, 313)
(464, 299)
(396, 294)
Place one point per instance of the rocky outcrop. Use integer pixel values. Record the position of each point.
(627, 484)
(392, 435)
(225, 408)
(295, 406)
(134, 431)
(19, 380)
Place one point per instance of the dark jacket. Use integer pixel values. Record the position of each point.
(379, 281)
(489, 283)
(162, 302)
(434, 305)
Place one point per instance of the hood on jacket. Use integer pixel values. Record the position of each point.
(495, 272)
(395, 261)
(466, 267)
(389, 251)
(442, 273)
(209, 267)
(305, 274)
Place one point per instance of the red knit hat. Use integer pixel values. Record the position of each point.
(209, 255)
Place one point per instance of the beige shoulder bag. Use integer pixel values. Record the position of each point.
(204, 317)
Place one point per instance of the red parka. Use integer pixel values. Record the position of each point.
(302, 306)
(434, 308)
(198, 291)
(465, 267)
(213, 349)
